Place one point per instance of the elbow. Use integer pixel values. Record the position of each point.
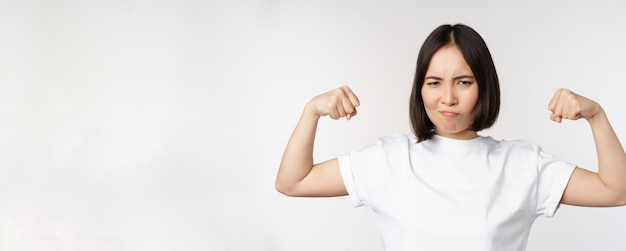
(284, 189)
(618, 198)
(621, 201)
(280, 188)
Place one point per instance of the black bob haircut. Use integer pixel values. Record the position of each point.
(477, 56)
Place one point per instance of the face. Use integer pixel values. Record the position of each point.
(450, 93)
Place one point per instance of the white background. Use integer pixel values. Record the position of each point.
(159, 125)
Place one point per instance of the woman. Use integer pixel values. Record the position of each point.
(449, 188)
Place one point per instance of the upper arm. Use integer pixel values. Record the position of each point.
(586, 188)
(324, 180)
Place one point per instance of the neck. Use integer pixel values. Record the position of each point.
(464, 135)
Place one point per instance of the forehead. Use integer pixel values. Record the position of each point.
(448, 60)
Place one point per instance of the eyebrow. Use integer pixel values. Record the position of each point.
(455, 78)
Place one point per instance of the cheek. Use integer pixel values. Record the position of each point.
(472, 97)
(427, 99)
(473, 104)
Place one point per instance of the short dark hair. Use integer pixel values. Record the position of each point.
(477, 56)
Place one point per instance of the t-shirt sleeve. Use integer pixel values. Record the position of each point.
(553, 175)
(359, 172)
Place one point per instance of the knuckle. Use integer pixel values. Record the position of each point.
(329, 107)
(332, 100)
(338, 91)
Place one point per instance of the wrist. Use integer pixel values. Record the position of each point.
(309, 112)
(598, 116)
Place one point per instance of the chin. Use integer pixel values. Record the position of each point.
(456, 132)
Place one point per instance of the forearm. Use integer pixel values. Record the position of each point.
(611, 155)
(297, 160)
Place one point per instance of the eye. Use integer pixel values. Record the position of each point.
(465, 82)
(432, 83)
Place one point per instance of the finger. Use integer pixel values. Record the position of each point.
(331, 107)
(576, 108)
(353, 98)
(565, 106)
(338, 98)
(347, 105)
(568, 111)
(344, 106)
(554, 100)
(340, 108)
(347, 108)
(555, 118)
(334, 114)
(559, 104)
(571, 106)
(353, 102)
(553, 107)
(573, 113)
(351, 115)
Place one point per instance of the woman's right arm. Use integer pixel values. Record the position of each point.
(297, 175)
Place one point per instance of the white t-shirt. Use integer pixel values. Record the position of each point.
(446, 194)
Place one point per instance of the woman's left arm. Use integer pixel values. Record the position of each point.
(607, 187)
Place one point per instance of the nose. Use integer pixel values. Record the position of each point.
(448, 97)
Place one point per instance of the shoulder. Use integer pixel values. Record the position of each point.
(397, 138)
(520, 151)
(515, 144)
(387, 142)
(390, 143)
(397, 141)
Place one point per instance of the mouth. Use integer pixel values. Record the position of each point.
(448, 113)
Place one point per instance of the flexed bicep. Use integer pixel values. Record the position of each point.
(297, 175)
(607, 186)
(324, 180)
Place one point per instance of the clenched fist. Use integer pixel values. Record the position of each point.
(338, 103)
(566, 104)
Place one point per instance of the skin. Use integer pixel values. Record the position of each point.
(607, 187)
(297, 175)
(450, 93)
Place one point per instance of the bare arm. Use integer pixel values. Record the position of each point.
(607, 187)
(297, 175)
